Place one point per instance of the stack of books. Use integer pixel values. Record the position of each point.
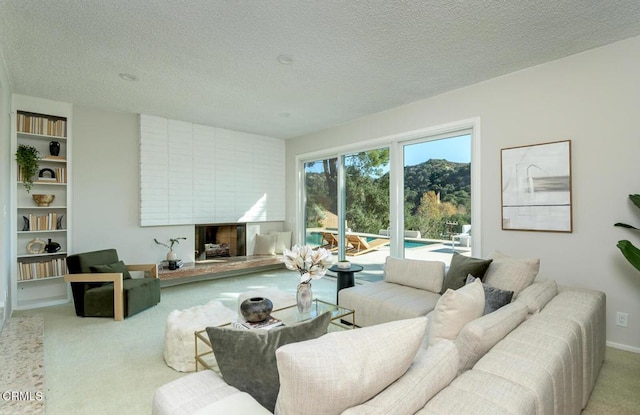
(267, 324)
(165, 264)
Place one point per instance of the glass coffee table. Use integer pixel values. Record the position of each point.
(341, 319)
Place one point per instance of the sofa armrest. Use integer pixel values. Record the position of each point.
(420, 274)
(114, 277)
(152, 269)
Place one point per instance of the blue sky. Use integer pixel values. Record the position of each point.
(457, 149)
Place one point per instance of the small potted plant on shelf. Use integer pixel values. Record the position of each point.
(27, 158)
(171, 256)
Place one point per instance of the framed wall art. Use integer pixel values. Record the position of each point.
(536, 187)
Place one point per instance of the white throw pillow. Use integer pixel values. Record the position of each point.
(265, 245)
(511, 274)
(538, 294)
(455, 309)
(283, 241)
(339, 370)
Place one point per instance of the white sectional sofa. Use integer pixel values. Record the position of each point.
(539, 354)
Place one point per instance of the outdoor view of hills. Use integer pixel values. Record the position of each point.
(436, 192)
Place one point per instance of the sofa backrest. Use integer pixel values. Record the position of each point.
(424, 275)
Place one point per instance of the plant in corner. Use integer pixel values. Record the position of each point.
(171, 256)
(27, 158)
(627, 248)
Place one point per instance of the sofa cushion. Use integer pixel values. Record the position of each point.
(265, 245)
(346, 368)
(455, 309)
(478, 336)
(247, 359)
(424, 275)
(494, 298)
(382, 302)
(511, 274)
(462, 266)
(116, 267)
(238, 403)
(538, 294)
(431, 371)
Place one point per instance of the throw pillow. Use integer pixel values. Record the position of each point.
(538, 294)
(109, 268)
(480, 335)
(494, 298)
(511, 274)
(455, 309)
(247, 358)
(426, 275)
(283, 241)
(460, 267)
(346, 368)
(265, 245)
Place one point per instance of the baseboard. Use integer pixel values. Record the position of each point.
(624, 347)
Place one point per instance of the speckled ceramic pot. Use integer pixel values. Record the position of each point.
(256, 309)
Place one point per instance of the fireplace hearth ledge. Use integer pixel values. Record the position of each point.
(218, 268)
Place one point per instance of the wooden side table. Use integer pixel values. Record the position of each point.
(346, 277)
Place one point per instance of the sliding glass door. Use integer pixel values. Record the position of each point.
(437, 197)
(321, 202)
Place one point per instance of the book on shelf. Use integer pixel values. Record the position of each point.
(267, 324)
(43, 269)
(41, 124)
(49, 222)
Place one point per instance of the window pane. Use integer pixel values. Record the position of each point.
(437, 192)
(321, 204)
(367, 210)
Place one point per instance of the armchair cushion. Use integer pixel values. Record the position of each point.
(118, 267)
(139, 294)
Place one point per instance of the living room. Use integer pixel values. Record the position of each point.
(590, 98)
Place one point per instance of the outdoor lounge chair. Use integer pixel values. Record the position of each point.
(329, 241)
(463, 238)
(359, 245)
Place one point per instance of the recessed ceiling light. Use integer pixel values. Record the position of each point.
(285, 59)
(128, 77)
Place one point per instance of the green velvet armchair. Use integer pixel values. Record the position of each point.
(102, 285)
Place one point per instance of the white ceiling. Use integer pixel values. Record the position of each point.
(214, 61)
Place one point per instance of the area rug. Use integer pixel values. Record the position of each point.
(21, 360)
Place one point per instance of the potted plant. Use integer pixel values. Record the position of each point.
(27, 158)
(171, 256)
(627, 248)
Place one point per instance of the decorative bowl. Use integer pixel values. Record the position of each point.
(43, 200)
(256, 309)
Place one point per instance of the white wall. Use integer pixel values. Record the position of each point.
(5, 156)
(106, 193)
(593, 99)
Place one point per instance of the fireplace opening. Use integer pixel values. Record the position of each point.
(219, 241)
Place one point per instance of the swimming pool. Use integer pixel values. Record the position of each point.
(315, 239)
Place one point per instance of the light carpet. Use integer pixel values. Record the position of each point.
(22, 368)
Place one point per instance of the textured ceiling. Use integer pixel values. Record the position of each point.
(214, 61)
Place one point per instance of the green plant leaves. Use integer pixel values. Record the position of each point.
(630, 252)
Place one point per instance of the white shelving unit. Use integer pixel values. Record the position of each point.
(36, 278)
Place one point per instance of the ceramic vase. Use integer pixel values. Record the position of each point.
(54, 148)
(256, 309)
(304, 295)
(171, 256)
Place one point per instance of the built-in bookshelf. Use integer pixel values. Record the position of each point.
(41, 231)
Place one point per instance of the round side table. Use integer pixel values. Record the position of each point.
(346, 276)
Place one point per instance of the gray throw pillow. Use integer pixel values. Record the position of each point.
(109, 268)
(494, 298)
(460, 267)
(247, 358)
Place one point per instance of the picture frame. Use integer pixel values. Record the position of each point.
(536, 187)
